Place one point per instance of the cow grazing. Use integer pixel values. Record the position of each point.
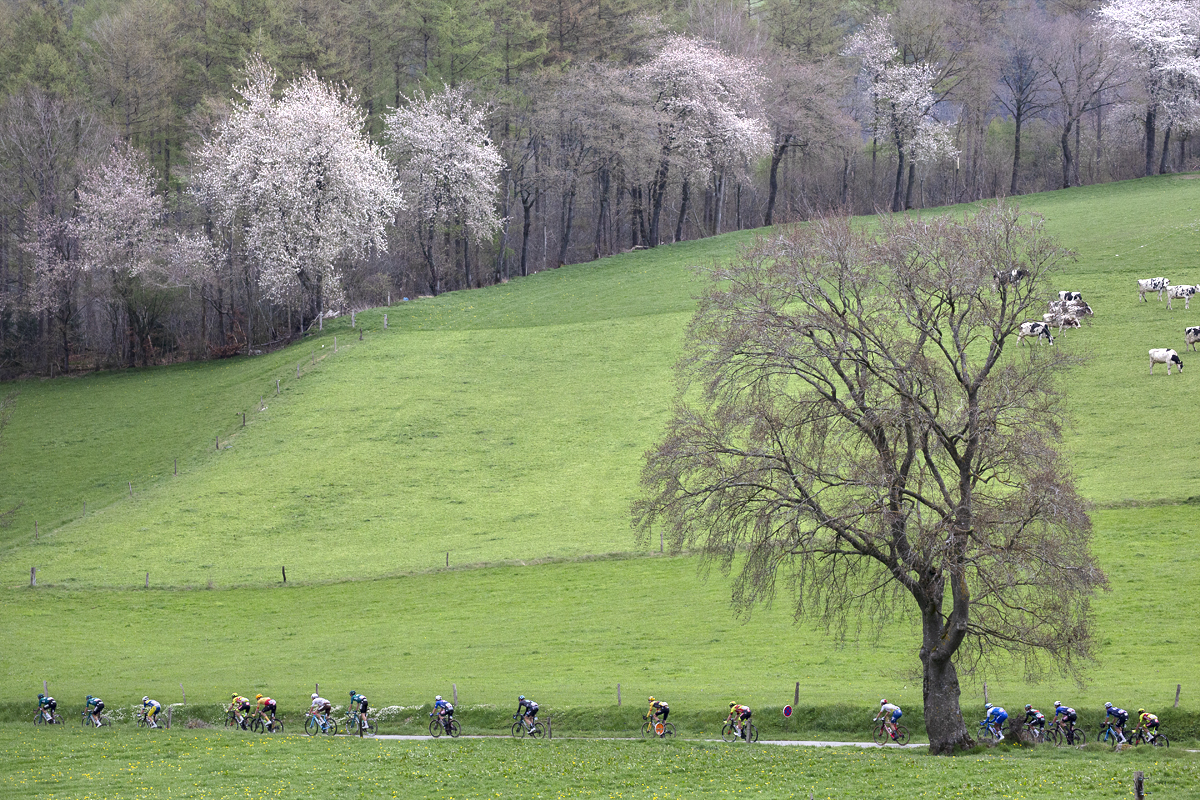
(1152, 285)
(1005, 277)
(1163, 355)
(1061, 321)
(1176, 292)
(1075, 308)
(1070, 296)
(1191, 336)
(1037, 329)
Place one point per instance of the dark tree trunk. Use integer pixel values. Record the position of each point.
(1018, 118)
(602, 211)
(912, 176)
(683, 202)
(1166, 149)
(773, 182)
(898, 187)
(1066, 156)
(657, 192)
(527, 208)
(568, 218)
(1151, 113)
(940, 694)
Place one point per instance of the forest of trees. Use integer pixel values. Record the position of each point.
(199, 178)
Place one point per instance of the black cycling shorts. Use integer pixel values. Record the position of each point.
(99, 708)
(52, 705)
(327, 708)
(269, 708)
(363, 706)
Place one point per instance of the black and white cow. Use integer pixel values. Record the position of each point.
(1061, 321)
(1076, 308)
(1176, 292)
(1039, 330)
(1070, 296)
(1005, 277)
(1191, 336)
(1152, 285)
(1164, 355)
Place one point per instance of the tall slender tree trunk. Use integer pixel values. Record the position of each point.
(658, 191)
(1166, 149)
(773, 181)
(1065, 142)
(683, 203)
(1018, 118)
(568, 219)
(898, 188)
(908, 191)
(1151, 113)
(602, 182)
(527, 209)
(720, 201)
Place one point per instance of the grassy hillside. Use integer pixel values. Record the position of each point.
(507, 426)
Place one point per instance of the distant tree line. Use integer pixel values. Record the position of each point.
(198, 179)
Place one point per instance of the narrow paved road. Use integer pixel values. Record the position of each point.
(777, 742)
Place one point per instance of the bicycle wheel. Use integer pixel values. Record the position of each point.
(455, 729)
(275, 726)
(370, 730)
(331, 728)
(1160, 741)
(538, 731)
(646, 730)
(435, 728)
(40, 719)
(105, 721)
(256, 725)
(668, 729)
(901, 734)
(727, 732)
(1080, 737)
(231, 720)
(752, 734)
(84, 719)
(518, 730)
(312, 726)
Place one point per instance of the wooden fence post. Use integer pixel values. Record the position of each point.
(131, 488)
(335, 344)
(796, 700)
(1139, 785)
(169, 717)
(33, 576)
(277, 387)
(182, 692)
(985, 699)
(147, 580)
(385, 320)
(218, 441)
(618, 694)
(243, 419)
(297, 370)
(447, 558)
(284, 574)
(1178, 686)
(454, 686)
(45, 688)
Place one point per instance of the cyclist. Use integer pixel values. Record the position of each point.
(889, 714)
(1034, 718)
(47, 707)
(361, 699)
(96, 705)
(265, 708)
(658, 710)
(1148, 721)
(151, 709)
(739, 715)
(1068, 716)
(240, 706)
(1122, 717)
(529, 714)
(444, 711)
(321, 708)
(995, 719)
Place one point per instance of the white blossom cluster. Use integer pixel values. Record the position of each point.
(119, 212)
(711, 101)
(902, 95)
(448, 162)
(1164, 37)
(298, 180)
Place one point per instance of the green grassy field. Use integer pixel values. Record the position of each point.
(211, 764)
(506, 427)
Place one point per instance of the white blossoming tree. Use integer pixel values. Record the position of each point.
(1163, 37)
(452, 170)
(901, 104)
(708, 109)
(297, 185)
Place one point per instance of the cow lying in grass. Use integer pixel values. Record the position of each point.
(1164, 355)
(1191, 336)
(1152, 285)
(1176, 292)
(1039, 330)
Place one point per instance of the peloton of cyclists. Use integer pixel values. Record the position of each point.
(151, 708)
(47, 707)
(995, 719)
(361, 700)
(739, 715)
(445, 712)
(265, 707)
(889, 714)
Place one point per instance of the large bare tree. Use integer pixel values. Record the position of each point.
(856, 423)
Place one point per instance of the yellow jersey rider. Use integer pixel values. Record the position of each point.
(658, 710)
(151, 707)
(241, 707)
(1148, 721)
(265, 708)
(739, 715)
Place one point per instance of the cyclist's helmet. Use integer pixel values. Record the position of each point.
(1029, 707)
(1141, 711)
(1108, 705)
(651, 700)
(89, 697)
(521, 697)
(1057, 704)
(987, 705)
(734, 703)
(41, 697)
(352, 693)
(233, 696)
(439, 697)
(883, 702)
(146, 699)
(314, 695)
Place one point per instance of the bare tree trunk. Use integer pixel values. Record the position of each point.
(912, 175)
(657, 190)
(1065, 141)
(773, 182)
(683, 203)
(1166, 149)
(527, 208)
(720, 201)
(1018, 119)
(1151, 113)
(602, 179)
(568, 219)
(940, 694)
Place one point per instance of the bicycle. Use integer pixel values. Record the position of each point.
(261, 724)
(438, 726)
(993, 731)
(1075, 737)
(42, 719)
(730, 732)
(882, 735)
(353, 722)
(1110, 735)
(522, 728)
(234, 720)
(105, 720)
(314, 724)
(657, 727)
(143, 721)
(1036, 734)
(1142, 736)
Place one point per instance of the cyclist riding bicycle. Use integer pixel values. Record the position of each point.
(265, 708)
(889, 714)
(151, 707)
(995, 719)
(739, 715)
(46, 707)
(1034, 718)
(361, 699)
(241, 708)
(1068, 716)
(321, 708)
(96, 705)
(658, 710)
(1148, 721)
(444, 711)
(527, 710)
(1122, 717)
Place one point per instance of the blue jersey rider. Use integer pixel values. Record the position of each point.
(1067, 713)
(151, 707)
(995, 718)
(889, 714)
(1121, 715)
(444, 711)
(527, 710)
